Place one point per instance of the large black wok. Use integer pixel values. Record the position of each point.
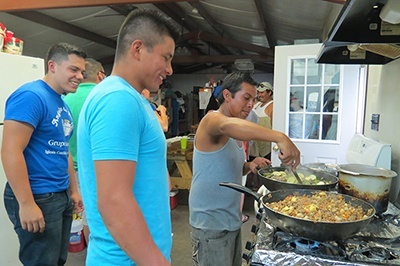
(319, 231)
(271, 184)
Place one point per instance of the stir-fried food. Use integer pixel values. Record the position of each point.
(320, 207)
(290, 178)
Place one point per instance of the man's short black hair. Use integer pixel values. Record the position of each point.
(233, 83)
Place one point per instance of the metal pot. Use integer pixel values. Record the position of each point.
(319, 231)
(366, 182)
(272, 184)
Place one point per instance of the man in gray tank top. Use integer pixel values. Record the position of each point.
(215, 214)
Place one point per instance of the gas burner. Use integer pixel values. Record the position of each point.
(305, 245)
(286, 242)
(375, 254)
(373, 249)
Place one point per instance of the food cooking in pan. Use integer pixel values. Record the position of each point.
(320, 207)
(290, 178)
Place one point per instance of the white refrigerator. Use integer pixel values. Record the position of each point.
(15, 70)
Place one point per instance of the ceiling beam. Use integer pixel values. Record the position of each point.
(12, 5)
(342, 2)
(60, 25)
(220, 59)
(270, 38)
(268, 68)
(174, 11)
(207, 59)
(208, 37)
(123, 10)
(212, 22)
(192, 68)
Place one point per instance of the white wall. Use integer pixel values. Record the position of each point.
(185, 82)
(9, 240)
(383, 97)
(14, 71)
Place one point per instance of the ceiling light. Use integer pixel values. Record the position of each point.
(195, 11)
(244, 64)
(352, 47)
(182, 51)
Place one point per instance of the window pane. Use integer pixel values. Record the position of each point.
(313, 72)
(332, 74)
(296, 126)
(329, 127)
(296, 98)
(311, 126)
(331, 99)
(297, 71)
(313, 103)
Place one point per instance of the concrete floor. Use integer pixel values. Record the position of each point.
(181, 249)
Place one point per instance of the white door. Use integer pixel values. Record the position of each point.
(317, 105)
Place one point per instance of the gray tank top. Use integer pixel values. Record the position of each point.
(211, 206)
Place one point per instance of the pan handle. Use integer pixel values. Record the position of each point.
(243, 189)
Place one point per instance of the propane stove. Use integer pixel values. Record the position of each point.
(376, 244)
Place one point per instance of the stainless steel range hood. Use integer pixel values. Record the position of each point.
(360, 36)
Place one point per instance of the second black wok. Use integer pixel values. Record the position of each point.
(319, 231)
(330, 181)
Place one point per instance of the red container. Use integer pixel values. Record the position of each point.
(77, 238)
(173, 198)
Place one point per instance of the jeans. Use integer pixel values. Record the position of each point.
(216, 248)
(49, 248)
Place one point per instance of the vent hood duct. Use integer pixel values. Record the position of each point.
(360, 36)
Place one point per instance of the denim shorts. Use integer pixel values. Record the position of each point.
(211, 248)
(49, 248)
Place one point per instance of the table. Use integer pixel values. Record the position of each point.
(180, 164)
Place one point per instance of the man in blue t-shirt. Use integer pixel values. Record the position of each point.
(122, 150)
(35, 156)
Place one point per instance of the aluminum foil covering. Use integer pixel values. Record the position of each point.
(272, 257)
(385, 229)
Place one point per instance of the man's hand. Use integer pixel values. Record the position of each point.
(257, 163)
(31, 217)
(77, 201)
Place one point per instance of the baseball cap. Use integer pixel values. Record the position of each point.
(263, 86)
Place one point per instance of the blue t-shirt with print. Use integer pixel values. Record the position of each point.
(46, 154)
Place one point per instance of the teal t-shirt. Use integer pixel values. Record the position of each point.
(117, 123)
(75, 102)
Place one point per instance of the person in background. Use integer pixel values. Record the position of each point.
(93, 75)
(41, 194)
(122, 150)
(296, 120)
(212, 102)
(161, 113)
(159, 110)
(214, 211)
(262, 115)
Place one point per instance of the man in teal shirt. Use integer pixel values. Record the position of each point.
(93, 75)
